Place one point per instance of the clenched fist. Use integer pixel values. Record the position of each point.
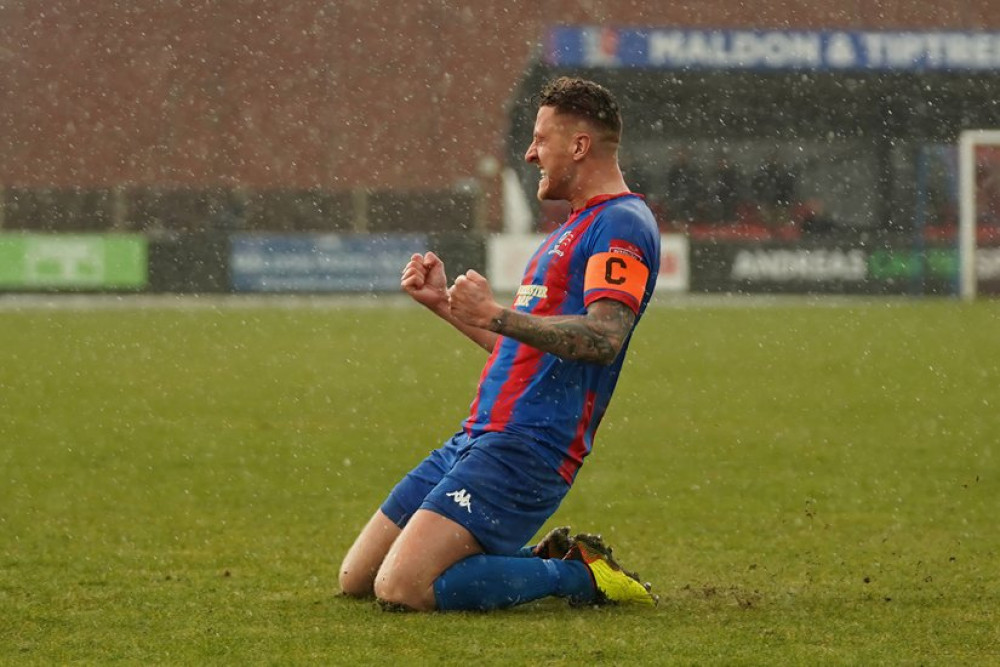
(471, 300)
(425, 281)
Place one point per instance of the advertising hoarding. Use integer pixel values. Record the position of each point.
(835, 268)
(320, 262)
(814, 50)
(73, 261)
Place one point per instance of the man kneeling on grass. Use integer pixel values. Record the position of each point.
(451, 533)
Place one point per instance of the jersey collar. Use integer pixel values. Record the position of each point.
(600, 199)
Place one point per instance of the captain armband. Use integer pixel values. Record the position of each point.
(617, 272)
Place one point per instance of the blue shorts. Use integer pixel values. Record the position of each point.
(494, 485)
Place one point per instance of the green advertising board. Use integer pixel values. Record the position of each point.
(73, 261)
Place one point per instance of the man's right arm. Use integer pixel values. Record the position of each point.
(425, 281)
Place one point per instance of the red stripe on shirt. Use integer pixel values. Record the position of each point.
(578, 448)
(479, 393)
(522, 371)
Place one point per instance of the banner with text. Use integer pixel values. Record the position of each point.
(835, 268)
(73, 261)
(320, 262)
(670, 48)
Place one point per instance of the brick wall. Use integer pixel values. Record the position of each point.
(315, 94)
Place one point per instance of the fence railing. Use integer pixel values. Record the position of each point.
(151, 209)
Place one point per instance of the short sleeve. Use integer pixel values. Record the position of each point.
(624, 258)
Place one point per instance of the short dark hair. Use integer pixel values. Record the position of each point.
(584, 99)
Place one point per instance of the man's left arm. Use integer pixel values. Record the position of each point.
(597, 336)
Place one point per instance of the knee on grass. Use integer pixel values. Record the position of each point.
(356, 584)
(396, 594)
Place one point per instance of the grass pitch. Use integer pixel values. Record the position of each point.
(803, 484)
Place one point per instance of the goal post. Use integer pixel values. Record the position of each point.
(968, 141)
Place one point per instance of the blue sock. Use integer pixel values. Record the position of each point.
(483, 582)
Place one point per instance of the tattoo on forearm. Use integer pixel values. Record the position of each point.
(496, 325)
(596, 336)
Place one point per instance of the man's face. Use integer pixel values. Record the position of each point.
(551, 150)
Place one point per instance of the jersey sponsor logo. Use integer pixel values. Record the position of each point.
(616, 271)
(462, 498)
(526, 293)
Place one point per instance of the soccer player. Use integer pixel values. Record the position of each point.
(450, 535)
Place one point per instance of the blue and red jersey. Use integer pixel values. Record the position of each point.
(610, 249)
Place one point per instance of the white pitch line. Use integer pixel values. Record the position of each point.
(15, 302)
(84, 302)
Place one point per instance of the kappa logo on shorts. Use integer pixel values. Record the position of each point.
(463, 499)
